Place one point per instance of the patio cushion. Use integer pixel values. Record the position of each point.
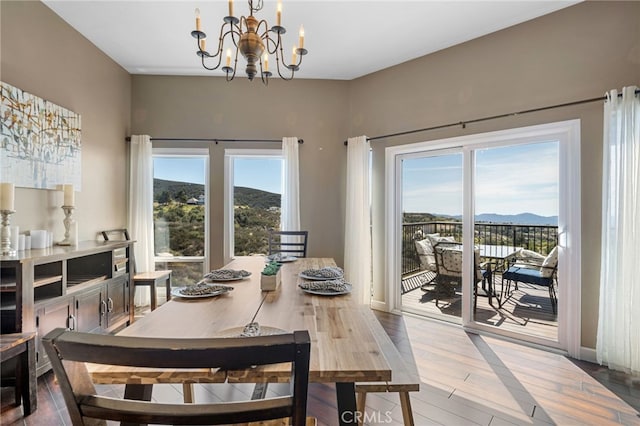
(526, 275)
(425, 252)
(550, 263)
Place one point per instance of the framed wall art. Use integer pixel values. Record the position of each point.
(40, 142)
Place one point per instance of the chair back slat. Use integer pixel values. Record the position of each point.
(69, 351)
(288, 242)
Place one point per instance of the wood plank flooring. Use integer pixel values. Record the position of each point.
(527, 311)
(466, 380)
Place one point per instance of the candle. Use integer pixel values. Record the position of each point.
(265, 61)
(230, 7)
(279, 13)
(69, 195)
(294, 56)
(7, 196)
(301, 40)
(197, 19)
(203, 44)
(228, 57)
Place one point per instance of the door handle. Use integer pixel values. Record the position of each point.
(103, 307)
(72, 322)
(110, 305)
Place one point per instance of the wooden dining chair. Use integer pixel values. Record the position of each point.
(69, 350)
(151, 279)
(292, 243)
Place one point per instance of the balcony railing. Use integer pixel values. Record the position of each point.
(539, 238)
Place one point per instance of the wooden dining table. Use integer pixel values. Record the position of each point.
(344, 349)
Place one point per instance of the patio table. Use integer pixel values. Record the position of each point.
(501, 256)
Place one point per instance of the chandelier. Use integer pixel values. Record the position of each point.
(254, 40)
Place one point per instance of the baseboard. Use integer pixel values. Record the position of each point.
(379, 305)
(588, 354)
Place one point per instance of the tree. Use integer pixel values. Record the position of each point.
(164, 197)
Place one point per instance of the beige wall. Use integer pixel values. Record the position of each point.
(576, 53)
(42, 55)
(210, 107)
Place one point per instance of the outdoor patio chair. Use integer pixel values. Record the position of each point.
(448, 256)
(535, 273)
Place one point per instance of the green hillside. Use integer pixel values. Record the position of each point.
(255, 198)
(167, 190)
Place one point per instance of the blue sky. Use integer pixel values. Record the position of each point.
(259, 173)
(180, 169)
(509, 180)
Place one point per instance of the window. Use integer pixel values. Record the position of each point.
(253, 192)
(180, 212)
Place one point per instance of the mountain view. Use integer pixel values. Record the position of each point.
(516, 219)
(182, 191)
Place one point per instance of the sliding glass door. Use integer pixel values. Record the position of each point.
(431, 203)
(515, 195)
(485, 230)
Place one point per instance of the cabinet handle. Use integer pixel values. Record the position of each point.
(72, 322)
(110, 305)
(103, 307)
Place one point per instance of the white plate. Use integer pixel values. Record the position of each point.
(314, 278)
(282, 259)
(215, 280)
(329, 292)
(237, 331)
(221, 280)
(176, 293)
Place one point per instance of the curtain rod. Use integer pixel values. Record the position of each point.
(493, 117)
(216, 140)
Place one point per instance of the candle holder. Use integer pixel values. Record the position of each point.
(6, 248)
(68, 220)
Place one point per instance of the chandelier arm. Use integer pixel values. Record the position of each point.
(280, 72)
(271, 45)
(212, 68)
(282, 56)
(265, 34)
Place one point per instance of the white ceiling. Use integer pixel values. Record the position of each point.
(346, 39)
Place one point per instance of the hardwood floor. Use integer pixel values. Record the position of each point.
(527, 311)
(466, 380)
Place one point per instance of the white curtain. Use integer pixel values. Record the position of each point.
(141, 209)
(357, 241)
(618, 340)
(290, 201)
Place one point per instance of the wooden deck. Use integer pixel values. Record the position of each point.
(466, 380)
(527, 311)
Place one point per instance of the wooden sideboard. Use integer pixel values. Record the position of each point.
(84, 288)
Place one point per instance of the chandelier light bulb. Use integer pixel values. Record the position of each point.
(198, 19)
(301, 40)
(294, 56)
(279, 14)
(265, 61)
(228, 57)
(230, 7)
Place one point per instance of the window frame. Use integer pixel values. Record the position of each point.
(231, 154)
(186, 153)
